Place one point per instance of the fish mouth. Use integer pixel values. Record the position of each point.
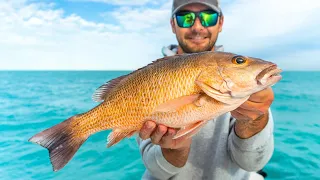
(269, 76)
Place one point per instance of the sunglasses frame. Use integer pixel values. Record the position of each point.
(197, 15)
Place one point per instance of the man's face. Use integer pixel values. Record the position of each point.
(196, 38)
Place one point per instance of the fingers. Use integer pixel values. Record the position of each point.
(166, 140)
(147, 130)
(163, 136)
(181, 142)
(244, 114)
(158, 133)
(262, 96)
(253, 106)
(257, 105)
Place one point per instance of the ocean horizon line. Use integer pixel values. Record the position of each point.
(107, 70)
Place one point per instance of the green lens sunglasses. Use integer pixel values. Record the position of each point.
(186, 19)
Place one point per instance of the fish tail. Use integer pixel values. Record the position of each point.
(61, 141)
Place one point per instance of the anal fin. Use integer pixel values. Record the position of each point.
(117, 135)
(190, 129)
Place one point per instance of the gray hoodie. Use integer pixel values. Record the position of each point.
(216, 151)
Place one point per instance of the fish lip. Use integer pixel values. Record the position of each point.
(269, 75)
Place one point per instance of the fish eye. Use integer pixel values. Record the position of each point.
(239, 60)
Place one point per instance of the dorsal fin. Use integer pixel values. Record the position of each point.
(159, 60)
(166, 58)
(101, 92)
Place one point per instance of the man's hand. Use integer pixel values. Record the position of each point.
(175, 151)
(162, 135)
(252, 116)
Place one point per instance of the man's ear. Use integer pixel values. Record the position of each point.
(173, 27)
(221, 20)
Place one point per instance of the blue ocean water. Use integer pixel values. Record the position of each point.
(31, 101)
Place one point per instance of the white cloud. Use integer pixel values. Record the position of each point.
(39, 36)
(34, 37)
(270, 18)
(139, 19)
(264, 23)
(142, 18)
(119, 2)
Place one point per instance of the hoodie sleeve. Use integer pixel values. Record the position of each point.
(252, 154)
(157, 166)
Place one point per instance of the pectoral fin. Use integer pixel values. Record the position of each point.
(189, 130)
(175, 104)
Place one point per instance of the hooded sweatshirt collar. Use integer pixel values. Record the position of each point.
(172, 49)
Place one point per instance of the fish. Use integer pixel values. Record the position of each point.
(182, 91)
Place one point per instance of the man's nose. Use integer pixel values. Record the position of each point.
(197, 26)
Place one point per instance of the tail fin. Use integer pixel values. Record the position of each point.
(61, 142)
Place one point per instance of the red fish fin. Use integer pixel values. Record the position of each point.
(101, 92)
(190, 130)
(117, 135)
(175, 104)
(61, 143)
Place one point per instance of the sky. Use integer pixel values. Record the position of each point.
(128, 34)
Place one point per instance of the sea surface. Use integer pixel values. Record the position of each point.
(31, 101)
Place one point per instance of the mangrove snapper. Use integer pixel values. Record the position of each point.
(181, 91)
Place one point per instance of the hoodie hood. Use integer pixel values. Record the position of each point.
(173, 48)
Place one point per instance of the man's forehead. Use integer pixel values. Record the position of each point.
(195, 7)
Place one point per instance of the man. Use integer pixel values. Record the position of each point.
(234, 145)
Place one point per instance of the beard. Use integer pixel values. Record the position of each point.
(188, 47)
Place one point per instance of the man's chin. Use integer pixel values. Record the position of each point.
(197, 49)
(194, 47)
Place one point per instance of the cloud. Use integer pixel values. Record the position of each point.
(37, 36)
(41, 36)
(142, 18)
(119, 2)
(133, 20)
(262, 24)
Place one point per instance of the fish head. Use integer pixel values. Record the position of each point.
(230, 76)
